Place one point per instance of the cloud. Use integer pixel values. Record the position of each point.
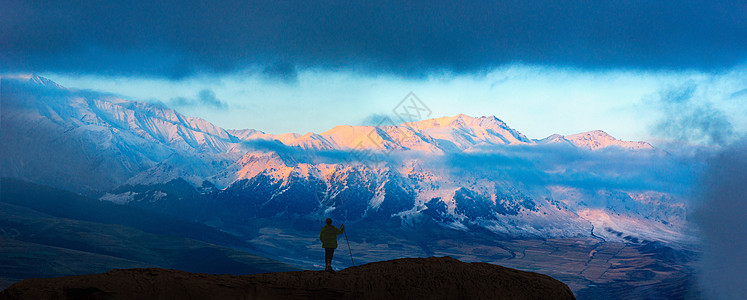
(282, 71)
(205, 98)
(379, 120)
(692, 118)
(294, 154)
(545, 165)
(722, 223)
(739, 94)
(535, 165)
(177, 39)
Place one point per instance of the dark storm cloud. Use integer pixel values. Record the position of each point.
(282, 71)
(722, 222)
(175, 39)
(204, 98)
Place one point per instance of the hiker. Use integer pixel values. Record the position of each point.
(328, 236)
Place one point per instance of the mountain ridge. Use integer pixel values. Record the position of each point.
(461, 170)
(142, 143)
(122, 112)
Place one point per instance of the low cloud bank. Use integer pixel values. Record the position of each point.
(535, 165)
(610, 168)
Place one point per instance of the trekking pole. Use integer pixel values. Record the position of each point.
(351, 251)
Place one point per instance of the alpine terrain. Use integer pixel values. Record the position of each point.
(600, 214)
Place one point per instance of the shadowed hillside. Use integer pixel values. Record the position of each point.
(408, 278)
(47, 232)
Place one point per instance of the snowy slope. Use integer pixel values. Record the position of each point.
(446, 134)
(84, 140)
(465, 132)
(595, 140)
(459, 171)
(410, 191)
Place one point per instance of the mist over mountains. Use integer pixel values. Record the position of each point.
(461, 171)
(583, 208)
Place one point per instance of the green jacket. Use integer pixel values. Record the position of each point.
(328, 235)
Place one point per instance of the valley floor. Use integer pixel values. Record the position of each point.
(592, 268)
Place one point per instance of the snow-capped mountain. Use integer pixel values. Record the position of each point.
(503, 201)
(84, 140)
(458, 171)
(595, 140)
(447, 134)
(464, 132)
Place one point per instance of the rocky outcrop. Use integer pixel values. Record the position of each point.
(408, 278)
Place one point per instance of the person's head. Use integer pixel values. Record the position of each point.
(329, 221)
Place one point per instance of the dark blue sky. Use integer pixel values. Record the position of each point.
(176, 39)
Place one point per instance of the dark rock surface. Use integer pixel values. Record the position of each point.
(407, 278)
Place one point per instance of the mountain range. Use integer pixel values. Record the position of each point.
(132, 140)
(584, 207)
(458, 170)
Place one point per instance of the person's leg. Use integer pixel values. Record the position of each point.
(328, 257)
(331, 255)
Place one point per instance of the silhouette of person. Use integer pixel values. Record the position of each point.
(328, 236)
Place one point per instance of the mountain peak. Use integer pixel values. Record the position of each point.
(598, 139)
(460, 120)
(598, 133)
(41, 80)
(465, 132)
(34, 79)
(554, 139)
